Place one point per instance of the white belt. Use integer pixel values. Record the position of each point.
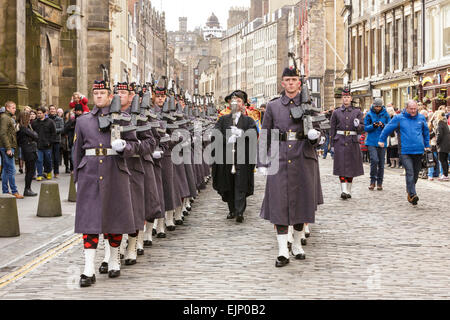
(100, 152)
(347, 133)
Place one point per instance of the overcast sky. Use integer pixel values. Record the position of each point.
(197, 11)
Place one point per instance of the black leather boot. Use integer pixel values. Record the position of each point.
(29, 193)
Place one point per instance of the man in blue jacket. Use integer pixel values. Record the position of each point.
(414, 138)
(374, 122)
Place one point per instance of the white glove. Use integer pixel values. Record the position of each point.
(166, 136)
(322, 140)
(262, 171)
(236, 131)
(157, 155)
(232, 139)
(118, 145)
(356, 122)
(313, 134)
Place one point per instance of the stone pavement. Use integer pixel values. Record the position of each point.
(374, 246)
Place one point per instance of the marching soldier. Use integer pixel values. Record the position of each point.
(103, 183)
(346, 124)
(235, 181)
(293, 189)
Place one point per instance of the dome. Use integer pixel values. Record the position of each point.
(213, 21)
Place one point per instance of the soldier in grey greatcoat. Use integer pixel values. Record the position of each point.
(293, 189)
(347, 122)
(103, 183)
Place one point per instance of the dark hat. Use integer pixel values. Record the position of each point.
(101, 85)
(346, 92)
(78, 107)
(228, 98)
(240, 94)
(123, 86)
(161, 87)
(290, 72)
(133, 86)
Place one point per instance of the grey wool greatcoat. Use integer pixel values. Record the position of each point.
(103, 182)
(347, 153)
(221, 173)
(294, 192)
(137, 179)
(151, 195)
(158, 172)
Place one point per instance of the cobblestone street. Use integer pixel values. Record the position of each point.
(374, 246)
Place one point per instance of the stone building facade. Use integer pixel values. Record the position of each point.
(394, 46)
(52, 48)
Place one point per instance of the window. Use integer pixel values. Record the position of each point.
(360, 74)
(372, 52)
(352, 58)
(446, 31)
(387, 47)
(366, 54)
(396, 44)
(379, 48)
(406, 35)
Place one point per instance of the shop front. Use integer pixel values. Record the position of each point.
(397, 92)
(435, 87)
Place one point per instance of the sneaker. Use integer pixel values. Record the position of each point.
(39, 178)
(49, 176)
(430, 179)
(444, 178)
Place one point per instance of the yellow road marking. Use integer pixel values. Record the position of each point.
(13, 276)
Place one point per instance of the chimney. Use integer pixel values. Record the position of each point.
(183, 24)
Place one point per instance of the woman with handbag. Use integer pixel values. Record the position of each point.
(27, 140)
(443, 143)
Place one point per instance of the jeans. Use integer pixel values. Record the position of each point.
(44, 159)
(326, 146)
(377, 155)
(412, 164)
(433, 172)
(56, 157)
(8, 173)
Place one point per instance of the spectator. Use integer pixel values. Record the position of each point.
(56, 143)
(66, 150)
(69, 130)
(78, 98)
(363, 147)
(443, 143)
(374, 122)
(327, 146)
(414, 138)
(262, 108)
(447, 114)
(433, 172)
(27, 140)
(8, 145)
(46, 131)
(33, 116)
(392, 146)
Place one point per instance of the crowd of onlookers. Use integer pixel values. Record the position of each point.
(39, 140)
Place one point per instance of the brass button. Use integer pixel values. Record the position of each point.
(346, 118)
(290, 146)
(289, 161)
(101, 161)
(292, 102)
(101, 178)
(101, 145)
(346, 144)
(102, 115)
(290, 130)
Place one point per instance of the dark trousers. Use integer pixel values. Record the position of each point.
(56, 154)
(237, 200)
(44, 161)
(67, 159)
(412, 164)
(377, 155)
(30, 169)
(443, 158)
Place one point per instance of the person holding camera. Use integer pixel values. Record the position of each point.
(414, 138)
(374, 122)
(8, 145)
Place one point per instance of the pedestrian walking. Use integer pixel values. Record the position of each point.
(8, 147)
(346, 124)
(27, 139)
(414, 139)
(46, 130)
(374, 122)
